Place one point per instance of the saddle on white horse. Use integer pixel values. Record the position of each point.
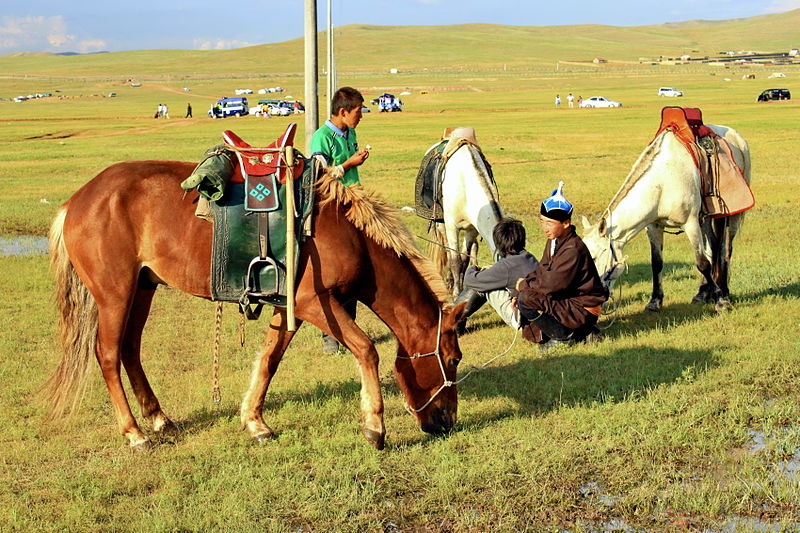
(725, 191)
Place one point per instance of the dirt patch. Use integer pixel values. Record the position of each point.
(54, 135)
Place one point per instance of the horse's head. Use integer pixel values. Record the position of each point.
(428, 380)
(605, 251)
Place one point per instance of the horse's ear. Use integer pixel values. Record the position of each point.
(457, 311)
(601, 226)
(585, 222)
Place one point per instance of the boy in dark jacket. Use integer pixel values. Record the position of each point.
(560, 301)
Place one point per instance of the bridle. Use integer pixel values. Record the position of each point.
(446, 382)
(437, 352)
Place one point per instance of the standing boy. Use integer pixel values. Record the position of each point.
(336, 142)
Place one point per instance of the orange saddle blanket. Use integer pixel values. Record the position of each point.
(724, 189)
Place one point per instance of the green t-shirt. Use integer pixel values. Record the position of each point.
(336, 148)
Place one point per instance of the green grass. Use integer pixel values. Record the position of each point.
(658, 416)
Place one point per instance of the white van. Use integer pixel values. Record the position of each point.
(669, 91)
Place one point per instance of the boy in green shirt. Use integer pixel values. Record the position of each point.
(336, 142)
(336, 139)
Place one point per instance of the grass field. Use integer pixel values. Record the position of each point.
(681, 421)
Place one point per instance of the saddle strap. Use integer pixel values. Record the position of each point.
(263, 235)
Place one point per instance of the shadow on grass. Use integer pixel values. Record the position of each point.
(563, 379)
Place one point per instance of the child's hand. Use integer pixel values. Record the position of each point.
(356, 159)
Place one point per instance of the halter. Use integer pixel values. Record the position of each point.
(446, 382)
(437, 352)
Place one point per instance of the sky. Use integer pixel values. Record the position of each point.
(93, 25)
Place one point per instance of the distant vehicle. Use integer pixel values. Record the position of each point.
(278, 108)
(387, 103)
(229, 107)
(777, 75)
(20, 98)
(136, 84)
(599, 101)
(243, 91)
(669, 91)
(774, 94)
(365, 109)
(112, 95)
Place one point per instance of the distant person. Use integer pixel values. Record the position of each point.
(570, 100)
(580, 100)
(497, 283)
(160, 112)
(166, 111)
(188, 110)
(336, 142)
(558, 101)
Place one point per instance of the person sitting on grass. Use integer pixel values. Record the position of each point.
(496, 283)
(560, 301)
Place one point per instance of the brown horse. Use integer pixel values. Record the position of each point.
(131, 229)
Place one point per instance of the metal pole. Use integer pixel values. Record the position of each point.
(290, 221)
(311, 85)
(331, 79)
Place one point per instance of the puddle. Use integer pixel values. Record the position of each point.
(23, 245)
(759, 441)
(593, 491)
(737, 523)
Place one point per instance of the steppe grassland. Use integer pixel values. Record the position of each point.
(658, 417)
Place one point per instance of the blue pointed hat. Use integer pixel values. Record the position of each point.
(557, 207)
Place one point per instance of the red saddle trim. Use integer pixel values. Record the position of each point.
(255, 161)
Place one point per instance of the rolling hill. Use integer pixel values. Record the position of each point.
(365, 48)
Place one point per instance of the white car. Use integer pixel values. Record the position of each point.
(599, 101)
(669, 91)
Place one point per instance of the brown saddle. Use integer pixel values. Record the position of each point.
(725, 191)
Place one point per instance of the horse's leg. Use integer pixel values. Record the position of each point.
(264, 368)
(722, 257)
(330, 316)
(131, 359)
(112, 315)
(655, 233)
(702, 243)
(454, 259)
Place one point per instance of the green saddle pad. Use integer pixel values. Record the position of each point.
(236, 245)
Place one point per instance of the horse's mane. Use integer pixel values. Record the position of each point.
(642, 165)
(378, 220)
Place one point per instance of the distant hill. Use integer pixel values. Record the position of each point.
(365, 48)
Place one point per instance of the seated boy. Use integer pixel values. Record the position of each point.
(496, 283)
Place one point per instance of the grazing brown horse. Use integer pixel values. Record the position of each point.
(131, 229)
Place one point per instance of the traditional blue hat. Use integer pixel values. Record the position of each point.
(557, 207)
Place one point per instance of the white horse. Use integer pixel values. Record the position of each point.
(663, 190)
(471, 205)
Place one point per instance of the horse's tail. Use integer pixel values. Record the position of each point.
(77, 327)
(437, 252)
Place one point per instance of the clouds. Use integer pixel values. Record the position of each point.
(219, 44)
(779, 6)
(43, 33)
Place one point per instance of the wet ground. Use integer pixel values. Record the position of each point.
(23, 245)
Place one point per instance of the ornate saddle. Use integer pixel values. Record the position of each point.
(725, 191)
(248, 258)
(428, 187)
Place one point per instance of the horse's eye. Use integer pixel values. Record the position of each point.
(456, 361)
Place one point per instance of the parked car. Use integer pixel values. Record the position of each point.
(669, 91)
(599, 101)
(278, 108)
(243, 91)
(229, 107)
(774, 94)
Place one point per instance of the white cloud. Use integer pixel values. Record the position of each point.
(219, 44)
(779, 6)
(42, 33)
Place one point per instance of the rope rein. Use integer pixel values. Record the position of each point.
(216, 396)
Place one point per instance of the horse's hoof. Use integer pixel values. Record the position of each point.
(141, 447)
(265, 437)
(653, 307)
(723, 305)
(169, 429)
(701, 298)
(378, 440)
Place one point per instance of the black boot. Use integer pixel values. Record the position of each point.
(556, 333)
(474, 301)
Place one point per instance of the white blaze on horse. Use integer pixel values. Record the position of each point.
(470, 207)
(664, 190)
